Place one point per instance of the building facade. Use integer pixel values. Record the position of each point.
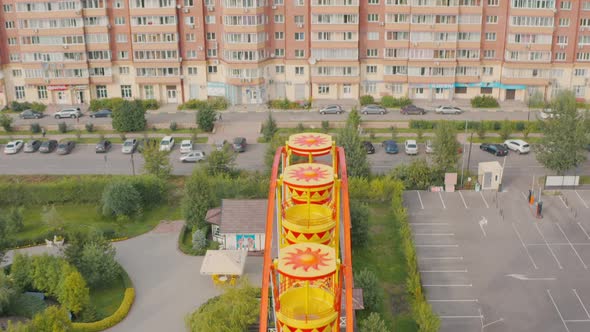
(251, 51)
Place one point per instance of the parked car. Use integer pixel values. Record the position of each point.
(369, 147)
(48, 146)
(219, 144)
(239, 144)
(517, 145)
(495, 149)
(390, 146)
(411, 147)
(65, 147)
(129, 145)
(332, 109)
(13, 147)
(429, 147)
(193, 157)
(167, 143)
(103, 146)
(30, 114)
(412, 109)
(142, 143)
(32, 146)
(448, 110)
(104, 113)
(373, 109)
(68, 113)
(186, 146)
(547, 113)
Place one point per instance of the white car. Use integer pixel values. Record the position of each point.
(167, 143)
(186, 146)
(429, 147)
(547, 113)
(68, 113)
(448, 110)
(13, 147)
(193, 156)
(129, 146)
(411, 147)
(518, 145)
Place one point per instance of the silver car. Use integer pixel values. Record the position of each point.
(373, 109)
(129, 146)
(193, 156)
(448, 110)
(331, 109)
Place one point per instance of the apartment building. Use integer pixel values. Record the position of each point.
(250, 51)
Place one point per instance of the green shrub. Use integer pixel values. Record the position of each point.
(284, 104)
(89, 127)
(25, 305)
(506, 129)
(35, 128)
(484, 101)
(129, 116)
(6, 122)
(150, 104)
(112, 320)
(19, 107)
(62, 127)
(173, 126)
(110, 103)
(367, 99)
(421, 124)
(121, 199)
(325, 126)
(519, 125)
(216, 103)
(389, 101)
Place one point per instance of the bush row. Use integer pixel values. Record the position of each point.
(286, 104)
(216, 103)
(112, 320)
(113, 103)
(484, 102)
(421, 310)
(77, 189)
(386, 101)
(488, 125)
(15, 106)
(377, 189)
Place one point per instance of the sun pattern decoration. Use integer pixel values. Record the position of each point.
(310, 140)
(309, 173)
(307, 259)
(316, 144)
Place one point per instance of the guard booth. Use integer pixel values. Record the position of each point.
(489, 175)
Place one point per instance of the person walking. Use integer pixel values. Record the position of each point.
(219, 116)
(43, 132)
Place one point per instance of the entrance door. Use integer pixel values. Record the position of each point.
(80, 96)
(253, 96)
(487, 180)
(346, 90)
(62, 97)
(439, 93)
(171, 94)
(510, 94)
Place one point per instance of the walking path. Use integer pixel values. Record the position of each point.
(168, 284)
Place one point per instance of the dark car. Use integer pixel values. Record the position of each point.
(30, 114)
(48, 146)
(66, 147)
(32, 145)
(412, 109)
(104, 113)
(369, 147)
(103, 146)
(495, 149)
(239, 144)
(390, 146)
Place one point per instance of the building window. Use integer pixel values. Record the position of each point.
(14, 57)
(189, 3)
(211, 36)
(210, 19)
(493, 2)
(101, 91)
(19, 92)
(373, 35)
(192, 71)
(7, 8)
(280, 69)
(123, 70)
(490, 36)
(212, 69)
(119, 4)
(9, 24)
(460, 90)
(564, 22)
(562, 40)
(418, 91)
(487, 71)
(123, 55)
(121, 38)
(373, 17)
(299, 36)
(189, 20)
(191, 54)
(372, 52)
(579, 72)
(371, 88)
(12, 41)
(560, 56)
(372, 69)
(299, 53)
(323, 89)
(126, 91)
(484, 91)
(279, 35)
(17, 73)
(489, 54)
(148, 91)
(189, 37)
(566, 5)
(279, 18)
(278, 2)
(580, 91)
(212, 52)
(373, 2)
(299, 70)
(299, 19)
(42, 92)
(299, 2)
(120, 20)
(397, 89)
(279, 52)
(492, 19)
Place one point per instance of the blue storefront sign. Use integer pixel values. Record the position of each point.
(491, 85)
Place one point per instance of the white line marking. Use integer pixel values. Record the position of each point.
(420, 198)
(444, 271)
(582, 303)
(558, 312)
(484, 200)
(572, 246)
(441, 258)
(494, 322)
(434, 234)
(559, 244)
(548, 247)
(580, 197)
(466, 300)
(441, 200)
(452, 285)
(577, 320)
(523, 277)
(463, 199)
(482, 223)
(561, 198)
(438, 245)
(480, 318)
(429, 223)
(583, 230)
(453, 317)
(525, 248)
(523, 195)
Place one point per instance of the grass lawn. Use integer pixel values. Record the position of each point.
(87, 216)
(384, 256)
(107, 299)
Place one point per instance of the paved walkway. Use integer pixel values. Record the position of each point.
(168, 284)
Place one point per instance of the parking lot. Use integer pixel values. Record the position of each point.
(489, 264)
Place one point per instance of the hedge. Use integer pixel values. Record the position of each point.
(112, 103)
(15, 106)
(484, 102)
(489, 125)
(286, 104)
(110, 321)
(217, 103)
(389, 101)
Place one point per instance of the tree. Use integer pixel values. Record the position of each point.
(221, 162)
(6, 292)
(6, 121)
(356, 155)
(14, 219)
(445, 147)
(368, 281)
(481, 130)
(197, 199)
(271, 149)
(21, 271)
(199, 239)
(359, 218)
(52, 218)
(425, 317)
(97, 263)
(53, 319)
(506, 129)
(561, 147)
(120, 198)
(269, 128)
(373, 323)
(206, 118)
(156, 162)
(417, 175)
(129, 116)
(536, 100)
(74, 295)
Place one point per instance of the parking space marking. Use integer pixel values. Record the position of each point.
(441, 200)
(558, 312)
(580, 197)
(548, 246)
(525, 247)
(562, 201)
(582, 303)
(420, 198)
(558, 244)
(523, 195)
(494, 322)
(484, 200)
(572, 246)
(463, 199)
(583, 230)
